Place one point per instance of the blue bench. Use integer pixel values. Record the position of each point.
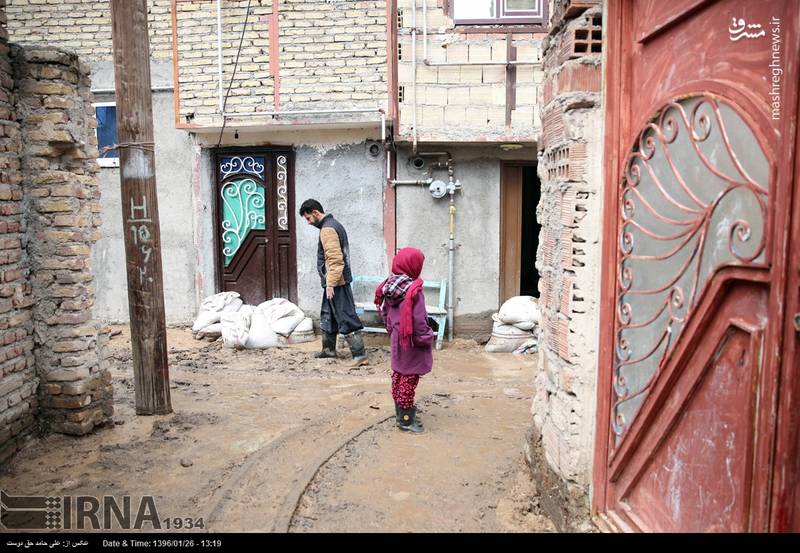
(436, 312)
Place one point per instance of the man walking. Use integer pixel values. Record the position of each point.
(338, 312)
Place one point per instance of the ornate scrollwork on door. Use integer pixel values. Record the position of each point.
(243, 200)
(283, 201)
(693, 200)
(242, 210)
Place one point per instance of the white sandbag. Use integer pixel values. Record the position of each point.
(227, 301)
(509, 331)
(271, 305)
(519, 309)
(234, 305)
(213, 306)
(526, 325)
(236, 327)
(529, 346)
(303, 332)
(286, 325)
(261, 334)
(211, 331)
(506, 338)
(504, 345)
(204, 319)
(282, 314)
(306, 325)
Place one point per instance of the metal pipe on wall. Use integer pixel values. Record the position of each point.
(414, 72)
(219, 54)
(451, 245)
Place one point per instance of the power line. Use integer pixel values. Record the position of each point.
(233, 76)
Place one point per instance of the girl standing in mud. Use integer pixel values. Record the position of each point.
(401, 303)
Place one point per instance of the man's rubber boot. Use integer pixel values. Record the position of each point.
(407, 421)
(356, 343)
(328, 346)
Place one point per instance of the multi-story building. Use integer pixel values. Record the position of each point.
(342, 101)
(417, 123)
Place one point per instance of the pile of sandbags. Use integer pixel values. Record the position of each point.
(272, 323)
(516, 326)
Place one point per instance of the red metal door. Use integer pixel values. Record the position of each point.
(697, 389)
(255, 224)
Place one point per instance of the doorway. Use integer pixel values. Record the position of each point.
(254, 224)
(519, 230)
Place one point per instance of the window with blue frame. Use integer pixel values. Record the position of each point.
(106, 113)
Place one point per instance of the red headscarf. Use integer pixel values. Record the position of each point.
(408, 261)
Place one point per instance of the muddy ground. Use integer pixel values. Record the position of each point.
(276, 441)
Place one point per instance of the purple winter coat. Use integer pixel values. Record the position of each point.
(418, 359)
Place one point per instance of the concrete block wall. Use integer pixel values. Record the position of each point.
(18, 380)
(330, 54)
(61, 199)
(568, 260)
(465, 103)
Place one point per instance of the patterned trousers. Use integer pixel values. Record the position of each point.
(403, 388)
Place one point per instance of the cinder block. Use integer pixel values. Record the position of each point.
(449, 75)
(433, 116)
(568, 9)
(454, 115)
(480, 52)
(575, 77)
(471, 74)
(477, 116)
(494, 74)
(458, 52)
(553, 123)
(458, 96)
(522, 117)
(480, 95)
(582, 39)
(429, 74)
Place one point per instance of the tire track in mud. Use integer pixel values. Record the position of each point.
(263, 493)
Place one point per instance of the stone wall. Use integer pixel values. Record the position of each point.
(568, 260)
(61, 196)
(465, 103)
(18, 380)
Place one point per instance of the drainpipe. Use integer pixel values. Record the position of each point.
(451, 254)
(414, 72)
(451, 243)
(219, 54)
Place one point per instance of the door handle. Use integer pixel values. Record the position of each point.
(797, 322)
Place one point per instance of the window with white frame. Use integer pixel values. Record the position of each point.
(488, 12)
(106, 114)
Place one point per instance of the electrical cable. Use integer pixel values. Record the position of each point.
(233, 76)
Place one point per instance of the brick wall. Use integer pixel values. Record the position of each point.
(252, 86)
(465, 103)
(568, 259)
(59, 172)
(84, 26)
(18, 381)
(332, 54)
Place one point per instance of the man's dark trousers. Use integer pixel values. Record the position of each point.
(339, 314)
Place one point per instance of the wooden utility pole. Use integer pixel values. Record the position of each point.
(140, 206)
